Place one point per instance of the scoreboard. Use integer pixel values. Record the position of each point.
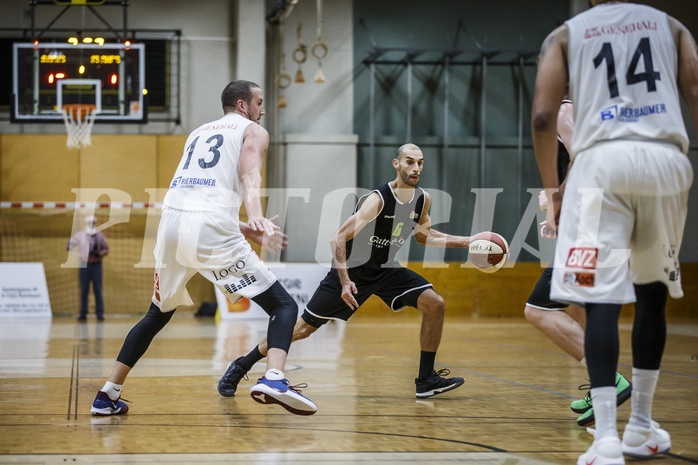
(48, 75)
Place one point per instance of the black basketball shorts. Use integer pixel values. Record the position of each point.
(540, 296)
(398, 287)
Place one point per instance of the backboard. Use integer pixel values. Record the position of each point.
(47, 76)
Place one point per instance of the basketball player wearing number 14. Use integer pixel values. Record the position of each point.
(627, 191)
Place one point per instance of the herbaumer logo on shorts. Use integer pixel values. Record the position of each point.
(582, 257)
(578, 278)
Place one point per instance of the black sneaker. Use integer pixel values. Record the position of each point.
(436, 383)
(230, 380)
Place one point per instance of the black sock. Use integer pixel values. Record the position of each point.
(248, 361)
(426, 364)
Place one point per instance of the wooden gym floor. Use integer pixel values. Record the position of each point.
(512, 409)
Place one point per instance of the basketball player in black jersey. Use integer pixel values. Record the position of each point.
(364, 264)
(564, 324)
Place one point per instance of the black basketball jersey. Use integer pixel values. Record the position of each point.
(376, 244)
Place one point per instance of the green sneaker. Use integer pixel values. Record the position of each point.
(582, 405)
(623, 391)
(586, 418)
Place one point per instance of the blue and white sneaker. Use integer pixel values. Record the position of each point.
(103, 405)
(280, 391)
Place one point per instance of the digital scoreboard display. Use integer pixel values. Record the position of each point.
(49, 75)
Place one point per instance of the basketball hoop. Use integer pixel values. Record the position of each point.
(78, 118)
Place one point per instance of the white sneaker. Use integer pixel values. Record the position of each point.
(605, 451)
(643, 443)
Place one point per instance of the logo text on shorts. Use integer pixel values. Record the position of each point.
(582, 257)
(578, 278)
(225, 272)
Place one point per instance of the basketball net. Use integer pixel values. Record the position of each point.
(78, 119)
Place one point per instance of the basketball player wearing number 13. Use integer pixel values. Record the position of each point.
(625, 203)
(200, 232)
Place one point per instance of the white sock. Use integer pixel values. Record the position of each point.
(273, 374)
(583, 362)
(604, 402)
(112, 390)
(644, 385)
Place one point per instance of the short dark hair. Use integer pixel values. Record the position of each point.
(402, 151)
(237, 90)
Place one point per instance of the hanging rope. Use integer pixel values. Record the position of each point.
(319, 48)
(282, 80)
(300, 54)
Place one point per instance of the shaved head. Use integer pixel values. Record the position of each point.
(407, 149)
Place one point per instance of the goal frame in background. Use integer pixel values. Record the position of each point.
(48, 75)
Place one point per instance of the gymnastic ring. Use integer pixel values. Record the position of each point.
(319, 46)
(282, 80)
(303, 55)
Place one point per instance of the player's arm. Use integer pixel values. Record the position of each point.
(565, 124)
(565, 128)
(687, 67)
(425, 235)
(351, 227)
(551, 82)
(254, 147)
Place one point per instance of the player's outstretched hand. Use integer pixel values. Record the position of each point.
(275, 242)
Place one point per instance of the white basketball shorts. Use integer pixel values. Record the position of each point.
(212, 245)
(623, 213)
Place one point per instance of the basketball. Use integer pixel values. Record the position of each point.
(488, 251)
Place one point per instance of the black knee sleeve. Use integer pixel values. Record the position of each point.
(141, 335)
(282, 311)
(601, 343)
(649, 327)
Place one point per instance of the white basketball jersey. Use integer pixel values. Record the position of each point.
(623, 66)
(207, 176)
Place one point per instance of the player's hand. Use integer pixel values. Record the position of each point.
(261, 224)
(550, 223)
(543, 201)
(348, 291)
(276, 242)
(546, 231)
